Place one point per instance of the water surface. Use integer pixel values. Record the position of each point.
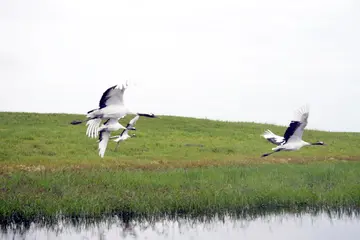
(268, 226)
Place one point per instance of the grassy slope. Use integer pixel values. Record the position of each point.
(49, 140)
(48, 165)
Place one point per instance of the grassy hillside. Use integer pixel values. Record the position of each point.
(49, 141)
(48, 166)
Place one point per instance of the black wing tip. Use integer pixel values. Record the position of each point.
(111, 88)
(130, 127)
(147, 115)
(291, 129)
(274, 141)
(122, 132)
(105, 97)
(92, 110)
(100, 135)
(76, 122)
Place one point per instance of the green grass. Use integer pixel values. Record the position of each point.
(48, 166)
(49, 140)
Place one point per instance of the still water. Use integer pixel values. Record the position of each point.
(268, 226)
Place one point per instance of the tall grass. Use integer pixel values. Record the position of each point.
(193, 191)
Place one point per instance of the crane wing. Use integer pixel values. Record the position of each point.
(298, 125)
(113, 96)
(93, 126)
(133, 121)
(123, 132)
(273, 138)
(293, 126)
(103, 141)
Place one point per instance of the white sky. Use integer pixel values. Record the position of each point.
(233, 60)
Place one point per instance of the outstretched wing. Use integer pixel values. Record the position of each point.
(297, 126)
(103, 141)
(294, 125)
(120, 137)
(273, 138)
(125, 131)
(93, 126)
(303, 114)
(113, 96)
(133, 121)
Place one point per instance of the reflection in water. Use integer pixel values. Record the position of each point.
(278, 225)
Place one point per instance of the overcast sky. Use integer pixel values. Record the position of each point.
(233, 60)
